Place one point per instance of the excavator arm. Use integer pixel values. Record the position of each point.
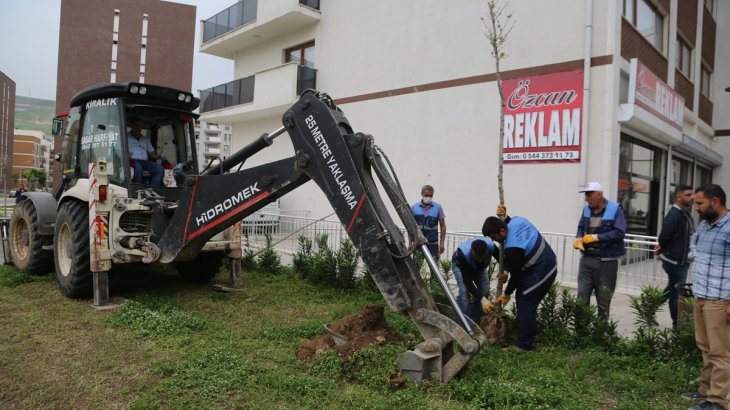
(344, 165)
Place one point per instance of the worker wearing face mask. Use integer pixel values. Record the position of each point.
(431, 219)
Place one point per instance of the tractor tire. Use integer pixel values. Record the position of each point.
(71, 250)
(201, 269)
(26, 244)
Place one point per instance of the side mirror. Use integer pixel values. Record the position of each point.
(57, 127)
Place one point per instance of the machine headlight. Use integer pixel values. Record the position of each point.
(143, 90)
(188, 98)
(133, 89)
(181, 97)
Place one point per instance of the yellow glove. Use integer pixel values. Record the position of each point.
(502, 300)
(502, 277)
(501, 211)
(487, 308)
(588, 239)
(578, 244)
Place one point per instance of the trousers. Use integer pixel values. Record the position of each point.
(597, 277)
(712, 334)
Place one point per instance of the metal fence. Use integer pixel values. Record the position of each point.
(637, 269)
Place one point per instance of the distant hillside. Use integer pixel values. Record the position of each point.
(34, 114)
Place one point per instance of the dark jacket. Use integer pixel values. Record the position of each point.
(674, 237)
(611, 232)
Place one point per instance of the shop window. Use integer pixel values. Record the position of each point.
(302, 54)
(704, 176)
(684, 58)
(647, 20)
(638, 185)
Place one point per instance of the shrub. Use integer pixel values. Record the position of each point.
(324, 266)
(267, 259)
(248, 256)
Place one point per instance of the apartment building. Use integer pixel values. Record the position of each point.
(212, 142)
(7, 125)
(31, 151)
(630, 93)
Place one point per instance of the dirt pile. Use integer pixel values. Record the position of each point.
(366, 328)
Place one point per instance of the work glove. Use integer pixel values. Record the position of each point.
(502, 300)
(487, 308)
(578, 244)
(501, 211)
(588, 239)
(502, 277)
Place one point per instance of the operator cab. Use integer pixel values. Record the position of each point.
(99, 124)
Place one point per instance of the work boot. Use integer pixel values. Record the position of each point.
(693, 395)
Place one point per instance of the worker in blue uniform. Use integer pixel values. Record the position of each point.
(532, 267)
(469, 263)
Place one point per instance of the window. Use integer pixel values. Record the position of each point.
(647, 19)
(638, 184)
(684, 58)
(100, 137)
(302, 54)
(705, 77)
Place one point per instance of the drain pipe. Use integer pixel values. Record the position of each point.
(587, 49)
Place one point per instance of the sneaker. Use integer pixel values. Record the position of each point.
(707, 405)
(693, 395)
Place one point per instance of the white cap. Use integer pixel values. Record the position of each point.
(592, 186)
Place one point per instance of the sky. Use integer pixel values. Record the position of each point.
(29, 55)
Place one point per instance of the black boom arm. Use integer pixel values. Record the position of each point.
(341, 163)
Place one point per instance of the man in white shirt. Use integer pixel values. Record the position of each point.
(143, 154)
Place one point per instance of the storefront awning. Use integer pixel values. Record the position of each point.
(692, 147)
(653, 109)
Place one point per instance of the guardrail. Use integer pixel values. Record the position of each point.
(637, 269)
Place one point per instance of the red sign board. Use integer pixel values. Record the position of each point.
(543, 118)
(655, 96)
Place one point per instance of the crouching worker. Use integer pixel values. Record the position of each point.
(469, 264)
(532, 267)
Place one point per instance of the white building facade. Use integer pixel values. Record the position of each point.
(629, 93)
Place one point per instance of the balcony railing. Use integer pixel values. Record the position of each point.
(229, 19)
(306, 78)
(239, 14)
(310, 3)
(241, 91)
(226, 95)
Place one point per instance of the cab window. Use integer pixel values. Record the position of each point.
(69, 144)
(101, 138)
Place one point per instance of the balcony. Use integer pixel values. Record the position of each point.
(266, 93)
(251, 22)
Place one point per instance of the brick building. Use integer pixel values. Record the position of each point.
(7, 125)
(31, 150)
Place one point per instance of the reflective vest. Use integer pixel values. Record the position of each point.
(465, 248)
(428, 221)
(540, 261)
(607, 249)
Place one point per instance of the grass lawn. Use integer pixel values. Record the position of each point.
(178, 345)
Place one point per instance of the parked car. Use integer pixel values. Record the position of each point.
(11, 193)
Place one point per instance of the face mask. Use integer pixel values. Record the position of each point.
(426, 200)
